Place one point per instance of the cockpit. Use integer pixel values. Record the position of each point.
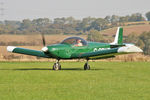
(76, 41)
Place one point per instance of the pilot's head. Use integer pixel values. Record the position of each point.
(78, 41)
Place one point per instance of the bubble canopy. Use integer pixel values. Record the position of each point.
(73, 41)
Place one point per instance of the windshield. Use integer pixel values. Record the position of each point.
(76, 41)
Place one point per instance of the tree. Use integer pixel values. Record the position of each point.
(108, 18)
(145, 37)
(42, 22)
(114, 19)
(141, 44)
(132, 38)
(26, 23)
(124, 19)
(85, 24)
(95, 35)
(99, 24)
(59, 20)
(15, 24)
(70, 20)
(136, 17)
(148, 15)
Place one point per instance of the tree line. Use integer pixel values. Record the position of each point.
(67, 25)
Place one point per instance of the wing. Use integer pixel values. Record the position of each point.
(98, 54)
(27, 51)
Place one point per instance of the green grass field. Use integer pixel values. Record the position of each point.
(105, 81)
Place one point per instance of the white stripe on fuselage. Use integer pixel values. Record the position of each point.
(99, 49)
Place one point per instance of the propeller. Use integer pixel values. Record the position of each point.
(44, 49)
(43, 39)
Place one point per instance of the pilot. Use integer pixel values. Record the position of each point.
(78, 43)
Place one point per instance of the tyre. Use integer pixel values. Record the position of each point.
(56, 66)
(86, 67)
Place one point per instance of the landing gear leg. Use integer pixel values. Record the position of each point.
(57, 65)
(87, 66)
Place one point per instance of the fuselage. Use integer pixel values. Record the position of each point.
(65, 51)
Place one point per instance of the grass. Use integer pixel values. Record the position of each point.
(105, 81)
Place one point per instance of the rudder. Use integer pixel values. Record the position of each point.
(119, 37)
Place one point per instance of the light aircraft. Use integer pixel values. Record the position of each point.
(78, 48)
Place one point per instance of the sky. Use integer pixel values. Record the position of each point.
(32, 9)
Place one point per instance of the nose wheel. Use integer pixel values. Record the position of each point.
(86, 66)
(57, 66)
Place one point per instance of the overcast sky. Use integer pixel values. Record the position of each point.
(22, 9)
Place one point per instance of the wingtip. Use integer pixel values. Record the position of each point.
(10, 48)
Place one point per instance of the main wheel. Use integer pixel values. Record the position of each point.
(56, 66)
(86, 67)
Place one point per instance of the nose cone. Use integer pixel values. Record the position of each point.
(45, 49)
(130, 49)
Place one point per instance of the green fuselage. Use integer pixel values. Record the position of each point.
(67, 51)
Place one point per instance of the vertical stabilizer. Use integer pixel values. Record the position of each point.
(119, 37)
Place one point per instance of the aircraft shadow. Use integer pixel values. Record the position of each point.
(82, 69)
(23, 69)
(26, 69)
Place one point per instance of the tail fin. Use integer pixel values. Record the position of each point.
(118, 38)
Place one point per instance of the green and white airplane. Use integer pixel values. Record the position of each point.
(78, 48)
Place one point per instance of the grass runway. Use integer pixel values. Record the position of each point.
(105, 81)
